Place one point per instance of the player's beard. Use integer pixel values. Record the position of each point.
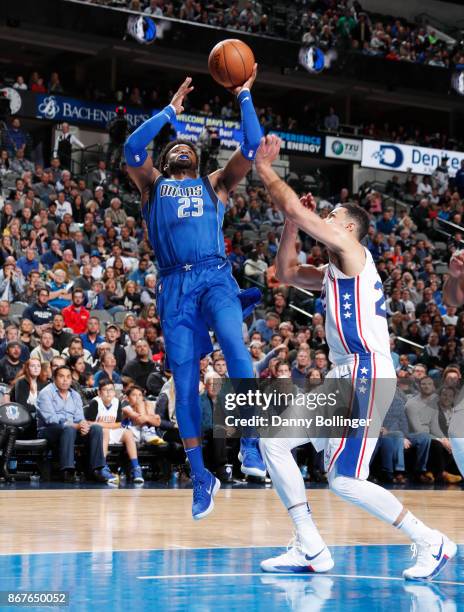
(181, 165)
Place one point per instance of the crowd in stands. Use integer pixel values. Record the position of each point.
(77, 306)
(328, 24)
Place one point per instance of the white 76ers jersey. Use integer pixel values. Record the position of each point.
(355, 313)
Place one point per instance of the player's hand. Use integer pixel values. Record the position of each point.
(406, 444)
(248, 83)
(268, 150)
(456, 265)
(308, 201)
(178, 97)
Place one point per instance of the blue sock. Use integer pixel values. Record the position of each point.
(134, 463)
(195, 457)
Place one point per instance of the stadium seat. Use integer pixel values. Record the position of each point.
(102, 315)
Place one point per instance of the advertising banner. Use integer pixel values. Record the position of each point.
(401, 158)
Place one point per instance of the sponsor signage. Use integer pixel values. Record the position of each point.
(301, 143)
(343, 148)
(401, 158)
(189, 126)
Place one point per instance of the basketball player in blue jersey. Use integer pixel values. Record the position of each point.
(196, 290)
(359, 343)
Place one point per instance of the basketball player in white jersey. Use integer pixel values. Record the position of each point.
(357, 335)
(453, 295)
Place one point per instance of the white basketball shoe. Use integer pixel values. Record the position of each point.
(296, 560)
(431, 557)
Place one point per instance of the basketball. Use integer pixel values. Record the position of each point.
(231, 62)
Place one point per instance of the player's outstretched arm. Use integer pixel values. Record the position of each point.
(453, 289)
(288, 268)
(288, 202)
(240, 163)
(140, 165)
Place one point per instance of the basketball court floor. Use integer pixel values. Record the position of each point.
(138, 549)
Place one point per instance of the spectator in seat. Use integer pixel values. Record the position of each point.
(105, 410)
(45, 350)
(266, 327)
(112, 337)
(100, 177)
(300, 369)
(139, 368)
(12, 335)
(331, 121)
(255, 268)
(60, 420)
(396, 439)
(26, 388)
(108, 370)
(10, 364)
(91, 338)
(68, 265)
(76, 349)
(116, 213)
(60, 296)
(5, 314)
(12, 284)
(148, 295)
(76, 315)
(40, 313)
(156, 379)
(61, 338)
(142, 416)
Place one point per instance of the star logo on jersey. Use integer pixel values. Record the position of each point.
(346, 306)
(347, 315)
(347, 296)
(362, 389)
(364, 370)
(188, 267)
(363, 380)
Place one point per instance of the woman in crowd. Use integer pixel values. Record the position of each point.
(25, 389)
(148, 316)
(107, 370)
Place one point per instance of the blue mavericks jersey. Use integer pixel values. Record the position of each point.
(184, 220)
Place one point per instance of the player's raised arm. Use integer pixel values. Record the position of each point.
(288, 202)
(453, 289)
(140, 165)
(240, 163)
(288, 268)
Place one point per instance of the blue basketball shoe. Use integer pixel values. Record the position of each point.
(250, 457)
(204, 490)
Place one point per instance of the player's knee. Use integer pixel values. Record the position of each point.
(341, 485)
(272, 447)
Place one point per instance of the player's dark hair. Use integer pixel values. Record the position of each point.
(162, 157)
(360, 217)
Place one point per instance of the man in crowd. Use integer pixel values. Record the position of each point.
(61, 421)
(76, 315)
(141, 367)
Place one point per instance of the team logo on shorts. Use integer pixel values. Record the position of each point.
(12, 412)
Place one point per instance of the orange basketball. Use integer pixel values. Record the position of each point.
(231, 62)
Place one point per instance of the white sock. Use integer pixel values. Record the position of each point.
(416, 529)
(308, 534)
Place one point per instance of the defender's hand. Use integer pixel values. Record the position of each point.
(309, 202)
(248, 84)
(178, 97)
(268, 151)
(456, 265)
